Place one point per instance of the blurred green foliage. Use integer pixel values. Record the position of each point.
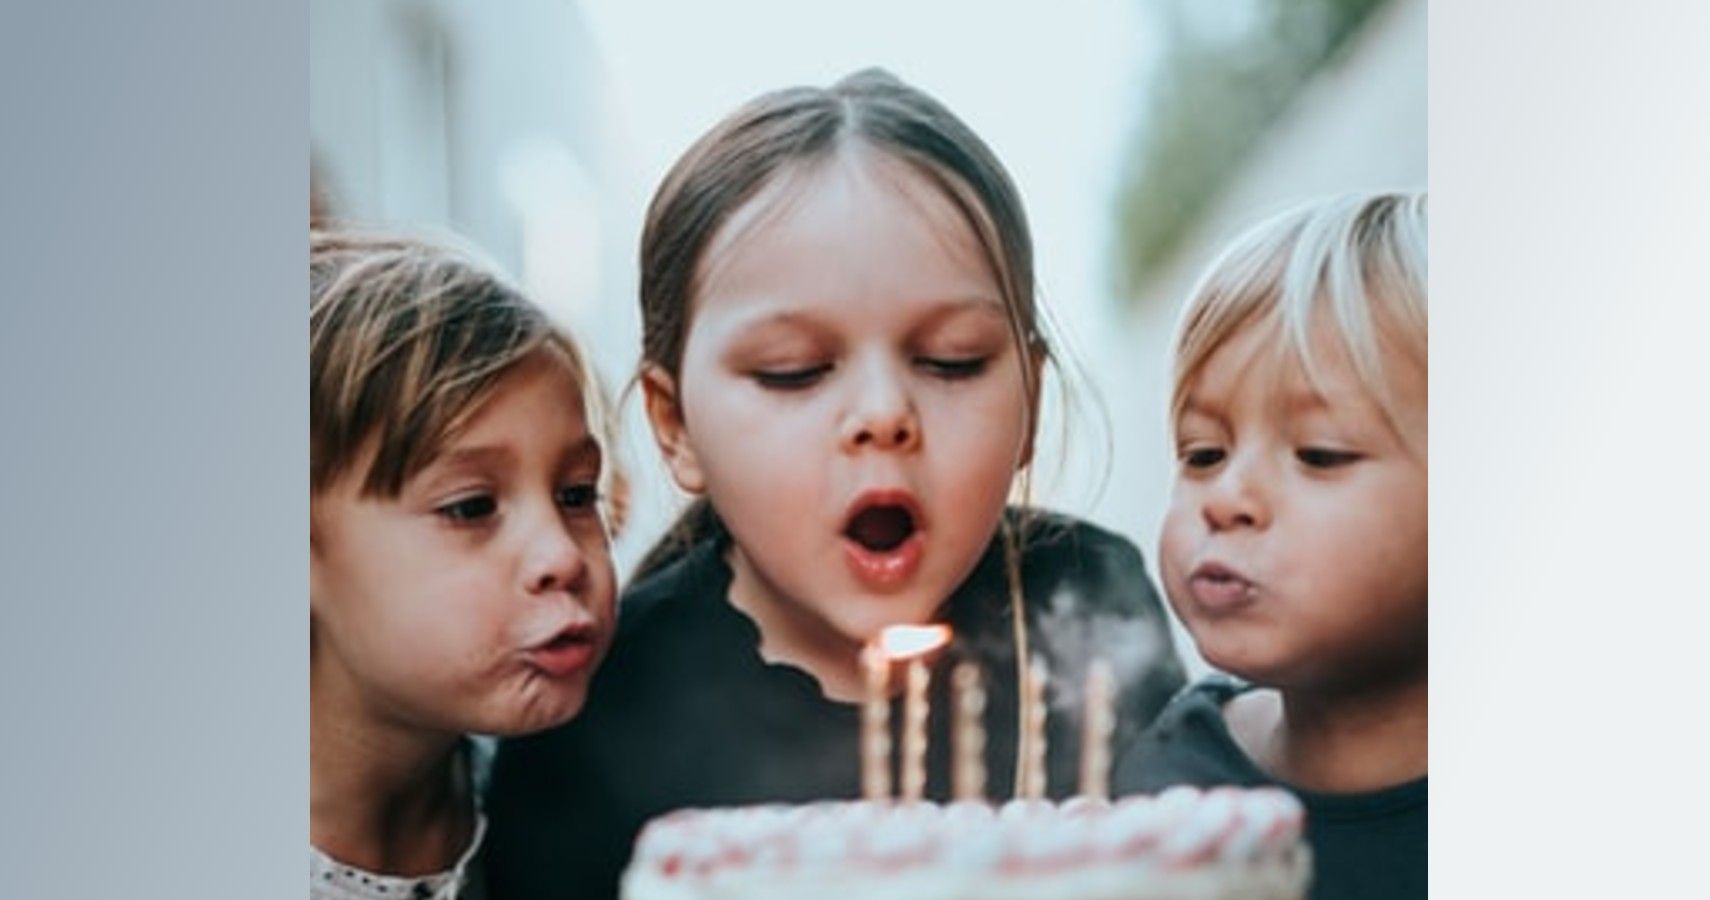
(1217, 92)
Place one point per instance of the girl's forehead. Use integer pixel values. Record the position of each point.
(855, 235)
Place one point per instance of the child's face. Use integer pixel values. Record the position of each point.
(851, 396)
(480, 598)
(1295, 544)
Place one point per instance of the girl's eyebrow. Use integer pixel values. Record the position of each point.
(936, 309)
(744, 327)
(760, 309)
(978, 304)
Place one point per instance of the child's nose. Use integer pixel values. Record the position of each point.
(555, 561)
(1235, 499)
(882, 415)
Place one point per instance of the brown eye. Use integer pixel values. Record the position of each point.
(469, 509)
(578, 496)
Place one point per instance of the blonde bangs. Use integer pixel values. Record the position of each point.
(1353, 266)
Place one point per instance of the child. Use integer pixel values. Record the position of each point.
(1295, 544)
(842, 355)
(460, 579)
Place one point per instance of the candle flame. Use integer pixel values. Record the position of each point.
(903, 641)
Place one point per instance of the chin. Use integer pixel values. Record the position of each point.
(538, 713)
(1241, 660)
(879, 615)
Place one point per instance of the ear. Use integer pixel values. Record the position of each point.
(665, 415)
(1036, 361)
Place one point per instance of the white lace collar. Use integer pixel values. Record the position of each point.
(330, 879)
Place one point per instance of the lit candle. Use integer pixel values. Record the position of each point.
(876, 725)
(914, 732)
(1099, 721)
(1033, 782)
(968, 772)
(912, 642)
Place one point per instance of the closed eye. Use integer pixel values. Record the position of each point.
(791, 379)
(953, 369)
(1202, 457)
(1324, 458)
(469, 509)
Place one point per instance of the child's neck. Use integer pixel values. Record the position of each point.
(794, 636)
(1337, 743)
(383, 796)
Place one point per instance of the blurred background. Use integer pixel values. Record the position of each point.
(1142, 133)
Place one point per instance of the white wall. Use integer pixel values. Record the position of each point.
(492, 120)
(1361, 124)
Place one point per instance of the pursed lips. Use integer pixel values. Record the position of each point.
(1220, 588)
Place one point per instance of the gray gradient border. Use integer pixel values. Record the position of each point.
(153, 449)
(153, 684)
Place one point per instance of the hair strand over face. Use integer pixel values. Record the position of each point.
(406, 341)
(1353, 264)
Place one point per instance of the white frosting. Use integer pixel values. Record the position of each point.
(1185, 843)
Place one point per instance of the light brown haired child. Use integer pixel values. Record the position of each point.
(460, 578)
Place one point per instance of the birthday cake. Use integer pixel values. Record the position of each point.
(1183, 844)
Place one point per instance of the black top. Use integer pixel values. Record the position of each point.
(686, 713)
(1364, 845)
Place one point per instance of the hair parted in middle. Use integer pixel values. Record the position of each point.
(790, 131)
(797, 127)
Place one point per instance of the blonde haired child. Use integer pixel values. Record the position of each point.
(1294, 548)
(460, 579)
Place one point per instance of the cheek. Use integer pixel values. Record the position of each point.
(449, 613)
(1380, 518)
(984, 428)
(1181, 529)
(417, 635)
(1178, 540)
(1362, 553)
(602, 580)
(438, 588)
(737, 432)
(1390, 569)
(972, 456)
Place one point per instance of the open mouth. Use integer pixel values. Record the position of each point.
(882, 528)
(883, 538)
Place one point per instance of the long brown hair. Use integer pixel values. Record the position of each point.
(793, 128)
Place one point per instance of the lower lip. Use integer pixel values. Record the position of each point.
(562, 658)
(1224, 595)
(887, 569)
